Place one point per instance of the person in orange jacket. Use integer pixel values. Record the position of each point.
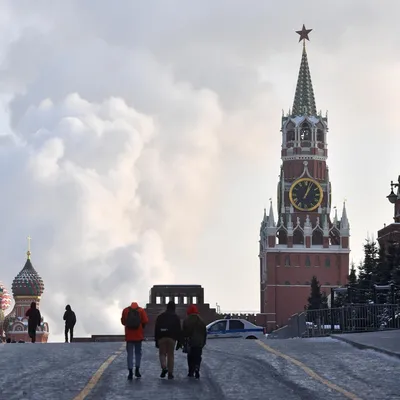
(134, 318)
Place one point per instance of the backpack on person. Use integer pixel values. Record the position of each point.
(133, 320)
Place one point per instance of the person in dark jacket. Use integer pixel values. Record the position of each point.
(167, 333)
(70, 321)
(195, 337)
(34, 320)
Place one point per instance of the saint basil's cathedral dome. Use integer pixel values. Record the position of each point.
(5, 298)
(28, 282)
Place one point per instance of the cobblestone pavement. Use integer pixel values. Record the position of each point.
(232, 369)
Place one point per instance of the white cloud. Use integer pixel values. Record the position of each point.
(145, 139)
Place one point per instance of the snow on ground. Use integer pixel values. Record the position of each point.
(232, 369)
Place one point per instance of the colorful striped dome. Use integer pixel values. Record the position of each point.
(28, 282)
(5, 298)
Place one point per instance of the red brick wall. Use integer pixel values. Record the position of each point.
(292, 289)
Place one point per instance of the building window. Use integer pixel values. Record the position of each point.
(298, 237)
(327, 262)
(185, 300)
(308, 262)
(281, 236)
(287, 261)
(305, 132)
(320, 135)
(158, 300)
(290, 136)
(317, 237)
(194, 300)
(334, 237)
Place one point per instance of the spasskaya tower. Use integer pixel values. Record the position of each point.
(303, 241)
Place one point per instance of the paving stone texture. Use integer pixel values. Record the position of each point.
(232, 369)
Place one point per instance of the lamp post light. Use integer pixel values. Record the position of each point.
(392, 197)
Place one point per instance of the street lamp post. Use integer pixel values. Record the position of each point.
(393, 197)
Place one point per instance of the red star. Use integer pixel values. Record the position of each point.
(304, 33)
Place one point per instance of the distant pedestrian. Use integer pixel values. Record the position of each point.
(70, 321)
(34, 321)
(167, 333)
(134, 318)
(195, 337)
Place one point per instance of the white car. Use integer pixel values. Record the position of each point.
(234, 328)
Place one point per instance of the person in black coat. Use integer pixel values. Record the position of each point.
(34, 320)
(168, 332)
(70, 321)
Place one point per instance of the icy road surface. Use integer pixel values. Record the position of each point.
(234, 369)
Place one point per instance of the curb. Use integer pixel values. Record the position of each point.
(366, 346)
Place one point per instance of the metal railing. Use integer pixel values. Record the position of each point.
(352, 318)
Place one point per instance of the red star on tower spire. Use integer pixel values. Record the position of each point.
(303, 33)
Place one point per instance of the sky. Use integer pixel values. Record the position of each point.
(140, 143)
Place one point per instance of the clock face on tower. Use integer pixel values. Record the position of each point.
(306, 194)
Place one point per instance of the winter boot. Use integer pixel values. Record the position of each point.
(197, 374)
(130, 376)
(163, 373)
(137, 373)
(170, 376)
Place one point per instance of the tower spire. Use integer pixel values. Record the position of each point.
(28, 253)
(344, 222)
(304, 101)
(271, 220)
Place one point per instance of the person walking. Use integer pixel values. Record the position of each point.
(70, 321)
(134, 318)
(167, 333)
(34, 320)
(195, 338)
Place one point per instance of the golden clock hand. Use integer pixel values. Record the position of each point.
(307, 191)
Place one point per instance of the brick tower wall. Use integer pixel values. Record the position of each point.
(289, 287)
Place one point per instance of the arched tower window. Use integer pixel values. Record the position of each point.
(298, 237)
(281, 236)
(320, 135)
(305, 132)
(290, 134)
(334, 237)
(317, 237)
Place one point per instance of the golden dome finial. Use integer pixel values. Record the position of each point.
(28, 253)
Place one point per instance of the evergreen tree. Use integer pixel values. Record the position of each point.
(315, 299)
(384, 266)
(324, 300)
(353, 293)
(353, 281)
(368, 272)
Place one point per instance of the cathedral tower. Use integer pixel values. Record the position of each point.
(27, 287)
(303, 241)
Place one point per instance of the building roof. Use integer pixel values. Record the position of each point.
(304, 100)
(28, 282)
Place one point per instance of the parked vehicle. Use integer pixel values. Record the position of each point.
(234, 328)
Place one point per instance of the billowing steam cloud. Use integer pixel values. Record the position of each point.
(141, 141)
